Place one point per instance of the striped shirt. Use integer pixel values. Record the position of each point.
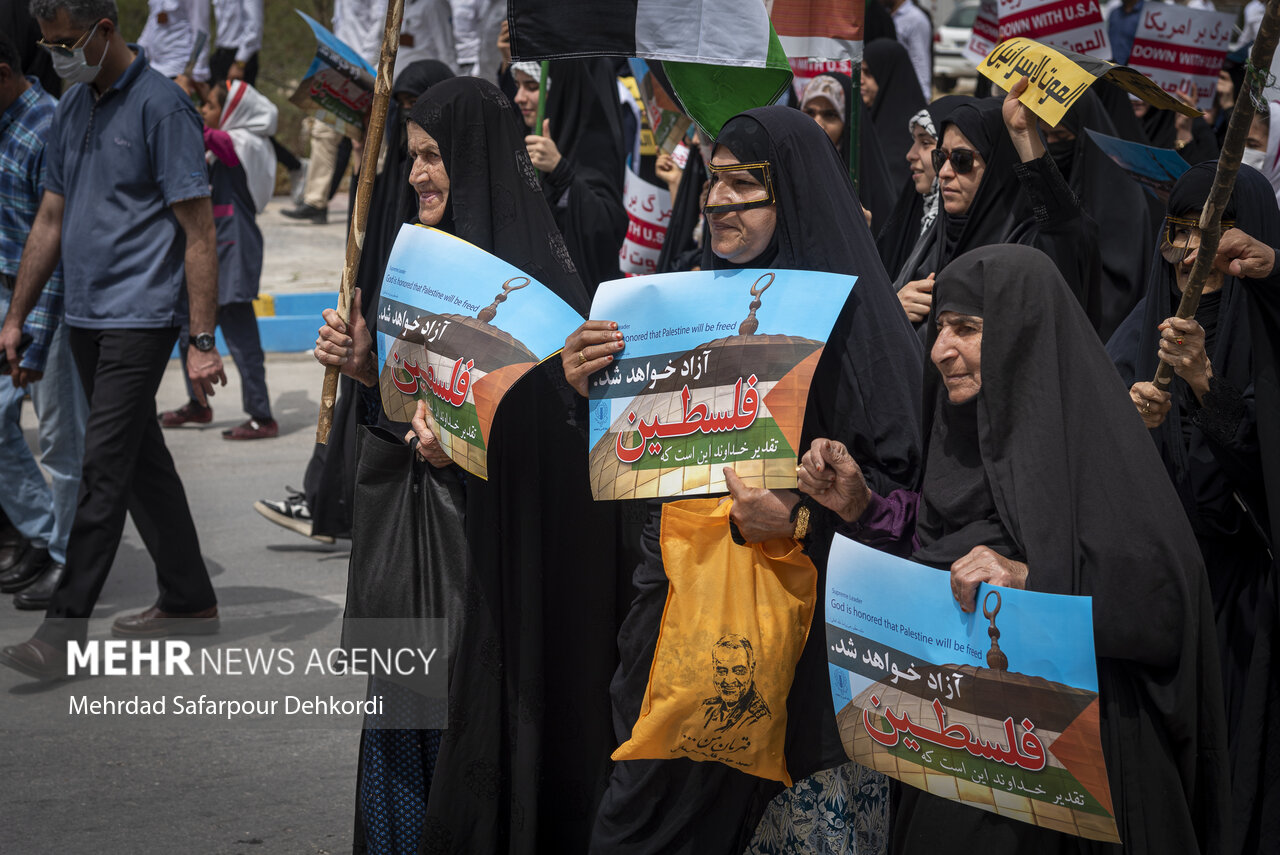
(24, 127)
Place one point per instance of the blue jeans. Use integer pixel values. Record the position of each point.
(42, 512)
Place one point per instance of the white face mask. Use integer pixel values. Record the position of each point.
(1253, 157)
(74, 68)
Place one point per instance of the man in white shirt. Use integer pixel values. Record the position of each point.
(1252, 20)
(239, 39)
(170, 35)
(916, 34)
(475, 27)
(427, 33)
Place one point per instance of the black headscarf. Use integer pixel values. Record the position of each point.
(585, 190)
(898, 236)
(897, 100)
(524, 761)
(875, 190)
(1082, 497)
(493, 188)
(864, 389)
(1001, 210)
(1126, 232)
(393, 202)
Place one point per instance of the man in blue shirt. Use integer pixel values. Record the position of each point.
(1122, 27)
(41, 512)
(127, 193)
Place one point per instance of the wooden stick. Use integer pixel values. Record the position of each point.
(1224, 180)
(364, 193)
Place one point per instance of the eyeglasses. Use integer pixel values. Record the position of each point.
(740, 194)
(962, 159)
(1178, 232)
(63, 49)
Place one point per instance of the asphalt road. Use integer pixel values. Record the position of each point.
(274, 783)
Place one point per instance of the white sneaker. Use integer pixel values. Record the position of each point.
(298, 181)
(291, 513)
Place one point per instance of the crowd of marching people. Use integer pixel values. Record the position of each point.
(984, 405)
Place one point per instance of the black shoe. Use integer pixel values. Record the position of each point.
(12, 548)
(38, 594)
(319, 216)
(26, 571)
(37, 659)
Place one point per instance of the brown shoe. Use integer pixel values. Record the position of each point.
(253, 429)
(190, 413)
(37, 659)
(154, 623)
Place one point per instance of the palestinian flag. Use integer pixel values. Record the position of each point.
(720, 56)
(828, 30)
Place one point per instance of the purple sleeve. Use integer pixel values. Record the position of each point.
(888, 523)
(219, 142)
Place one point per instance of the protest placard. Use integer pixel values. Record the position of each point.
(803, 70)
(986, 32)
(997, 709)
(1060, 77)
(715, 373)
(1156, 169)
(667, 124)
(1074, 25)
(457, 328)
(338, 86)
(648, 211)
(1180, 48)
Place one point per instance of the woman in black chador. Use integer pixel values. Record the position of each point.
(523, 761)
(865, 389)
(1038, 475)
(1206, 430)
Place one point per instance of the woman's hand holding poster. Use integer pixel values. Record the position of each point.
(715, 372)
(997, 709)
(457, 328)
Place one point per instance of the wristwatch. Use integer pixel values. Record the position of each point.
(203, 342)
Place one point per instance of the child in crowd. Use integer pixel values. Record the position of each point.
(239, 122)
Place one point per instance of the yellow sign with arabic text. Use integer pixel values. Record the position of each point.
(1058, 78)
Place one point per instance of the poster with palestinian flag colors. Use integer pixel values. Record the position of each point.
(715, 372)
(997, 709)
(337, 88)
(715, 72)
(457, 328)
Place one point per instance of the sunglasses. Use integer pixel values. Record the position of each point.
(961, 159)
(68, 50)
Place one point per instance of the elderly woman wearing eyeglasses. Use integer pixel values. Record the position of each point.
(998, 184)
(1206, 428)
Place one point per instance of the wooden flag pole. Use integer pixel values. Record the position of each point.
(1224, 180)
(364, 193)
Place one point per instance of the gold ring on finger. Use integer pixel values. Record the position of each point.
(582, 358)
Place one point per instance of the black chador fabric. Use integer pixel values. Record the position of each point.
(1257, 797)
(1213, 457)
(1073, 479)
(330, 478)
(897, 100)
(1126, 232)
(864, 391)
(585, 189)
(875, 190)
(899, 235)
(1023, 203)
(679, 250)
(524, 759)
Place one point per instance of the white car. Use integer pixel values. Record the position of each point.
(949, 41)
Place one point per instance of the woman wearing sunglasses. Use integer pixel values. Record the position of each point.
(1206, 430)
(997, 184)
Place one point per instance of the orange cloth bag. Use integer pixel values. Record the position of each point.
(734, 625)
